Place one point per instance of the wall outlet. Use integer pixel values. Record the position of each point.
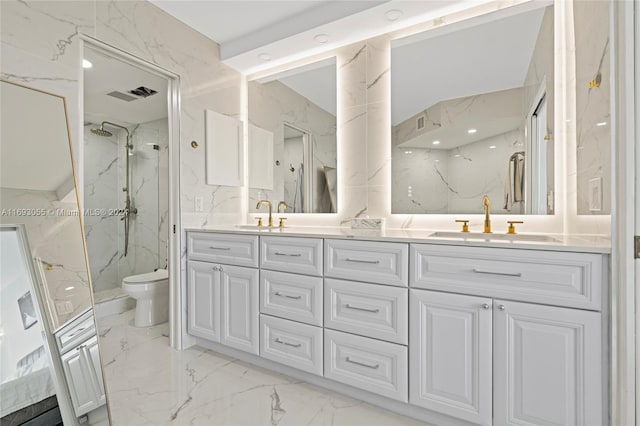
(64, 308)
(199, 204)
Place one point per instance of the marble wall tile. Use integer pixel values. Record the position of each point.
(593, 104)
(352, 75)
(352, 134)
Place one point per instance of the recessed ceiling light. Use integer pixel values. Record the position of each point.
(407, 152)
(602, 123)
(393, 14)
(321, 38)
(436, 142)
(492, 147)
(264, 56)
(69, 288)
(472, 131)
(86, 64)
(457, 155)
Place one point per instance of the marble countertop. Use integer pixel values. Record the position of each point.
(557, 242)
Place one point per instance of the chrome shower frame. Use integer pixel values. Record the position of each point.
(128, 210)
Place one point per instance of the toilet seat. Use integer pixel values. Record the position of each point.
(147, 278)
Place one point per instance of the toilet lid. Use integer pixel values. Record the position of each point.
(149, 277)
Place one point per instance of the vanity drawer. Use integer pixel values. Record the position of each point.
(367, 309)
(369, 261)
(292, 296)
(76, 332)
(368, 364)
(292, 254)
(554, 278)
(293, 344)
(230, 249)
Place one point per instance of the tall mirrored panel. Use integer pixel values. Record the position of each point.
(45, 283)
(292, 139)
(472, 114)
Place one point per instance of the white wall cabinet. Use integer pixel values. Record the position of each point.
(222, 304)
(450, 354)
(83, 373)
(224, 150)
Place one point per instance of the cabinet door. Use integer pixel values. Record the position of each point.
(450, 354)
(547, 365)
(80, 384)
(239, 292)
(203, 300)
(95, 367)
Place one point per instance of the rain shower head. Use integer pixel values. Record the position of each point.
(101, 132)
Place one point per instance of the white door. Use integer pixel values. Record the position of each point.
(203, 300)
(79, 382)
(547, 365)
(93, 361)
(239, 295)
(450, 354)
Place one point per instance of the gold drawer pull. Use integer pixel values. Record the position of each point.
(277, 293)
(220, 248)
(375, 311)
(508, 274)
(374, 262)
(287, 254)
(282, 342)
(374, 367)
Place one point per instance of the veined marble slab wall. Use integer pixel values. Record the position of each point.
(271, 105)
(593, 104)
(56, 240)
(104, 170)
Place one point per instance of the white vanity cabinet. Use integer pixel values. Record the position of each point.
(451, 354)
(449, 334)
(490, 360)
(78, 347)
(222, 299)
(291, 302)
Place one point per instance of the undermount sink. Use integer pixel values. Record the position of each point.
(494, 237)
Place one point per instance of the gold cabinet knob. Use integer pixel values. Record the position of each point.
(512, 228)
(465, 224)
(282, 219)
(259, 221)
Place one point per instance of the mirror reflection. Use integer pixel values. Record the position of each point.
(292, 119)
(44, 277)
(472, 115)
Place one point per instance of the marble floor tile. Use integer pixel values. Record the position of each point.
(149, 383)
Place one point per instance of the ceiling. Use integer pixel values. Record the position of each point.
(107, 75)
(259, 35)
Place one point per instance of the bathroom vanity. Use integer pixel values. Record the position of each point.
(449, 331)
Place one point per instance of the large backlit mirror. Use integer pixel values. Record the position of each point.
(472, 114)
(292, 139)
(50, 369)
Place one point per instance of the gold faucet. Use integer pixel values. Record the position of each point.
(268, 203)
(487, 214)
(282, 204)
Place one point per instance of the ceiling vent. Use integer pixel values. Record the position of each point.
(420, 122)
(143, 92)
(122, 96)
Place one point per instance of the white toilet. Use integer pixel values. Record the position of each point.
(151, 291)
